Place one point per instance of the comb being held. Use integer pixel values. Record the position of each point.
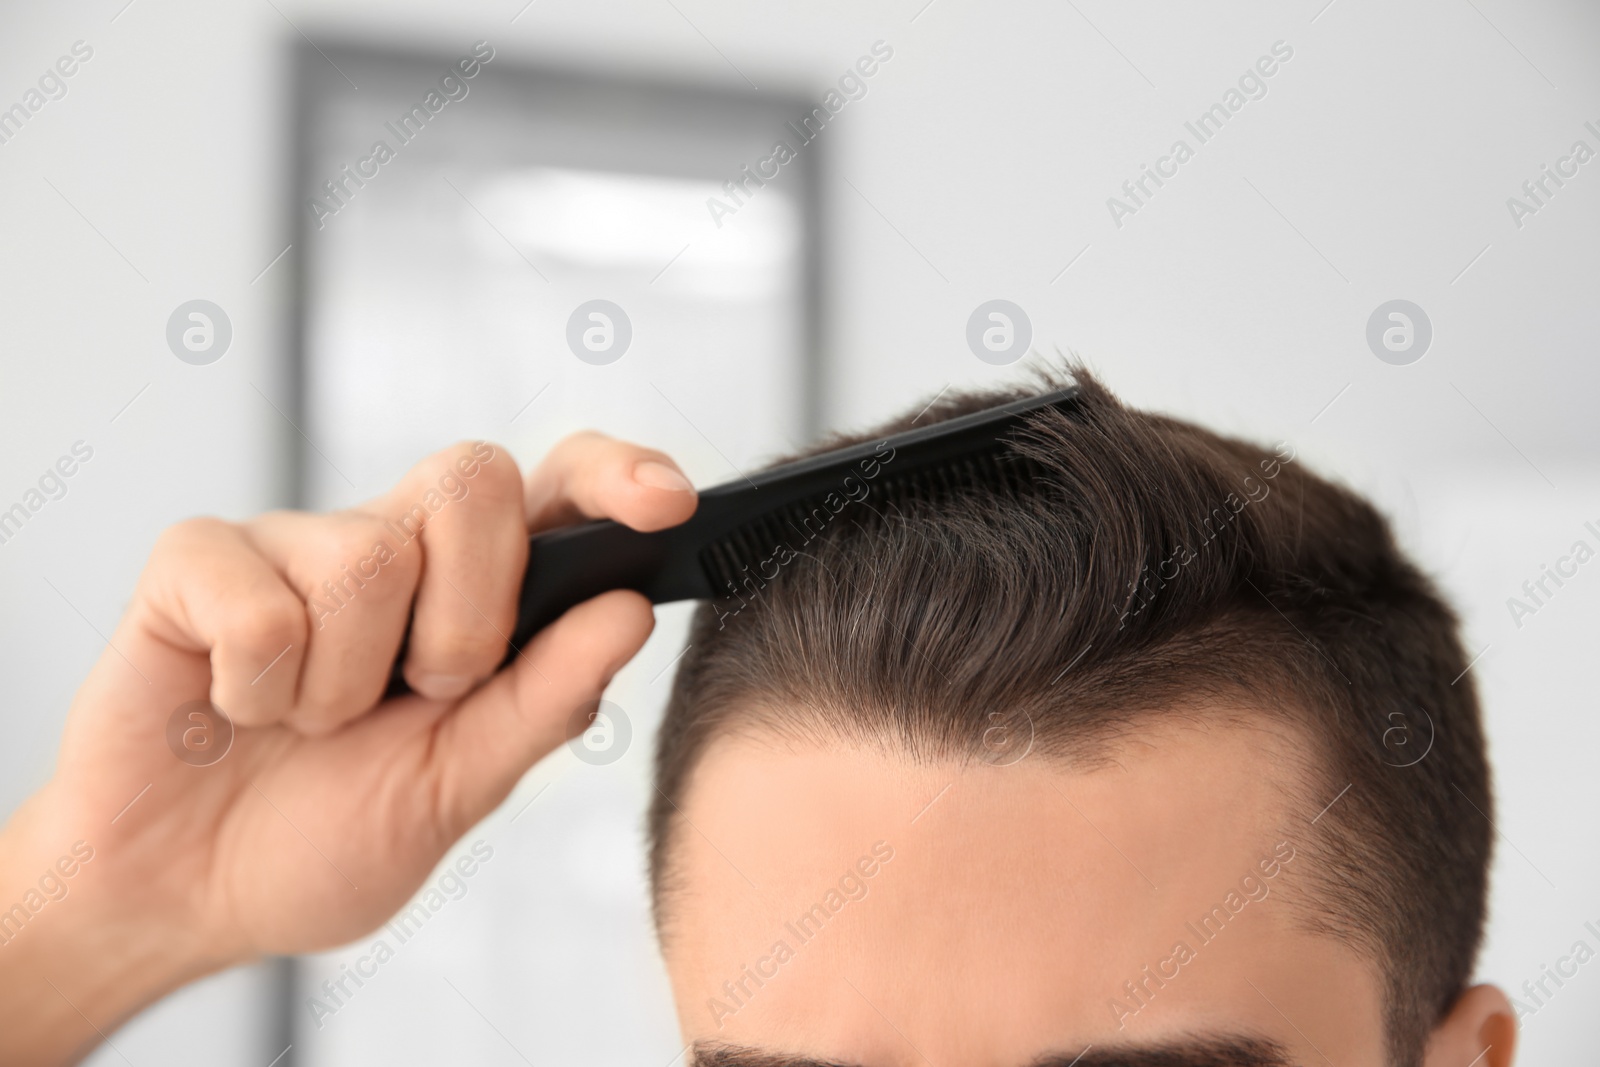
(740, 524)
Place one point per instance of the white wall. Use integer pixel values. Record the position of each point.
(1377, 166)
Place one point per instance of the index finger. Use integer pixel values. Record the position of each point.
(592, 476)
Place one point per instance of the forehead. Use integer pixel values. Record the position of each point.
(854, 904)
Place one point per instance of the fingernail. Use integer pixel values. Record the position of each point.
(442, 686)
(660, 476)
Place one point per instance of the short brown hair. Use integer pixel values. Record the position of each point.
(1148, 562)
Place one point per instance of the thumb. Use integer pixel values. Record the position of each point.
(522, 714)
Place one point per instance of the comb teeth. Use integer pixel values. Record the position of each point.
(730, 561)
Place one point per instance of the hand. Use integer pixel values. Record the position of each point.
(331, 806)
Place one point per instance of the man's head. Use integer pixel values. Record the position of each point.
(1167, 752)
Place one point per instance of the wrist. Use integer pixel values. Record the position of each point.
(79, 954)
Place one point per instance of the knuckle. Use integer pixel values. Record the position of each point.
(473, 474)
(358, 549)
(499, 478)
(351, 536)
(184, 537)
(580, 441)
(465, 459)
(600, 460)
(265, 625)
(581, 450)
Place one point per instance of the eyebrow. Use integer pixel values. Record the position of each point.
(1223, 1051)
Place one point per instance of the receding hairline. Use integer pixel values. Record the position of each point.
(1294, 757)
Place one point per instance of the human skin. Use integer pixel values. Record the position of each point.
(332, 806)
(1018, 902)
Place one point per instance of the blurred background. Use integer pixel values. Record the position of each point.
(362, 308)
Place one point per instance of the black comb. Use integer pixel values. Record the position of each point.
(739, 525)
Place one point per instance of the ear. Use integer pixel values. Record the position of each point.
(1481, 1030)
